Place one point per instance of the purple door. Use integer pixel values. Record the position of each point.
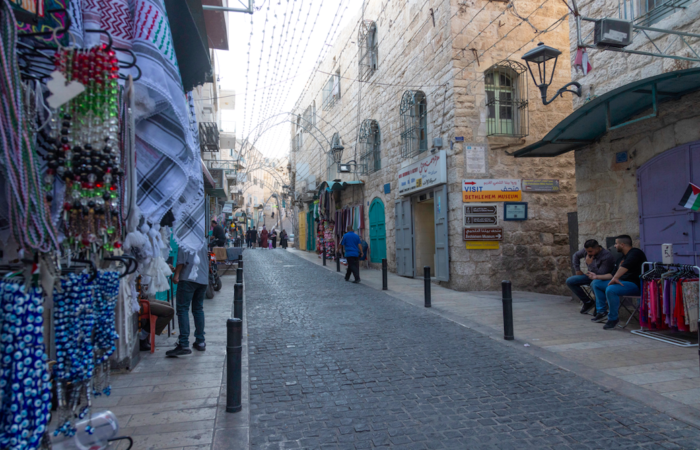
(661, 183)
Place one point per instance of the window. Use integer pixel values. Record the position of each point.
(331, 93)
(332, 166)
(370, 144)
(506, 99)
(649, 12)
(414, 123)
(367, 41)
(308, 121)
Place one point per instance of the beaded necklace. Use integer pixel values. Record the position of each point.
(107, 291)
(24, 378)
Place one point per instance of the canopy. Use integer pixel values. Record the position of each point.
(611, 111)
(186, 19)
(338, 185)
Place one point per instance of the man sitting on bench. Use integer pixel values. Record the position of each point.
(599, 262)
(609, 288)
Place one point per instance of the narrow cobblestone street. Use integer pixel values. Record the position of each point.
(339, 365)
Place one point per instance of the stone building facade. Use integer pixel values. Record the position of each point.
(444, 50)
(631, 179)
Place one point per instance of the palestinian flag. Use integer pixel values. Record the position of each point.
(691, 198)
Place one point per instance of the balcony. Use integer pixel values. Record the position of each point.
(208, 136)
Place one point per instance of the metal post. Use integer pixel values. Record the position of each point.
(234, 337)
(324, 254)
(385, 280)
(507, 311)
(239, 275)
(240, 261)
(426, 278)
(337, 262)
(238, 301)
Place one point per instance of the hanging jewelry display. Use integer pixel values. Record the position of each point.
(74, 321)
(30, 220)
(25, 386)
(86, 150)
(107, 293)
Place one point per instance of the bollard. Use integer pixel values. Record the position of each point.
(384, 275)
(240, 257)
(234, 337)
(507, 311)
(426, 277)
(239, 275)
(337, 262)
(324, 256)
(238, 301)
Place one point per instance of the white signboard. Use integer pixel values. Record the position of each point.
(426, 173)
(475, 155)
(481, 190)
(228, 208)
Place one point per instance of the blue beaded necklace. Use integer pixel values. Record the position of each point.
(107, 291)
(25, 385)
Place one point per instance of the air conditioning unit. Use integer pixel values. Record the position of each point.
(612, 33)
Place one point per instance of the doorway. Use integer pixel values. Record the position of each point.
(377, 231)
(661, 183)
(424, 221)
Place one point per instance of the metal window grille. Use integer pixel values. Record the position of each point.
(208, 137)
(506, 99)
(370, 142)
(367, 41)
(414, 123)
(331, 93)
(648, 12)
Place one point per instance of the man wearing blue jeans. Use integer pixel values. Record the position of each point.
(599, 262)
(192, 278)
(609, 288)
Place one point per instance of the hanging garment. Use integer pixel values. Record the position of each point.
(679, 311)
(690, 299)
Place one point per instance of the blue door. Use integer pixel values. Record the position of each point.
(377, 231)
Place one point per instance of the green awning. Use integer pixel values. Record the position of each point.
(214, 192)
(338, 185)
(613, 110)
(240, 214)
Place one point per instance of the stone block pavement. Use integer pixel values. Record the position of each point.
(345, 366)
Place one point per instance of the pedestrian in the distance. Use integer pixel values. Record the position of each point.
(365, 250)
(353, 251)
(283, 239)
(192, 280)
(264, 234)
(273, 237)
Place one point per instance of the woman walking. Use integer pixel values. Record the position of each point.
(273, 237)
(264, 234)
(283, 239)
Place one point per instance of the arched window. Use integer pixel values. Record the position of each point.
(370, 142)
(332, 166)
(506, 99)
(414, 123)
(367, 41)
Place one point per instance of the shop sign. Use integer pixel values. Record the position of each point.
(538, 185)
(483, 245)
(479, 215)
(228, 208)
(491, 190)
(483, 234)
(426, 173)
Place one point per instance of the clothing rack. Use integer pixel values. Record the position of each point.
(663, 335)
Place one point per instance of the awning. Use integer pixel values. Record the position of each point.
(208, 179)
(241, 214)
(217, 192)
(611, 111)
(217, 34)
(190, 40)
(338, 185)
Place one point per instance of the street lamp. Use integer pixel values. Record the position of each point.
(540, 55)
(337, 152)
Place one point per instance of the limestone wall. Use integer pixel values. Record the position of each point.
(613, 69)
(437, 59)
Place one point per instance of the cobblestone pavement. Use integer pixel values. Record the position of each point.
(340, 365)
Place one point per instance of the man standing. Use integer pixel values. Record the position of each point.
(353, 251)
(608, 288)
(192, 278)
(219, 235)
(599, 262)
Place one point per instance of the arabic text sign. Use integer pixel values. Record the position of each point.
(483, 234)
(483, 190)
(428, 172)
(540, 185)
(482, 214)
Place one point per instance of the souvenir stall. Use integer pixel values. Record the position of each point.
(340, 210)
(80, 249)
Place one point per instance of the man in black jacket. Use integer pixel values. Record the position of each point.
(219, 235)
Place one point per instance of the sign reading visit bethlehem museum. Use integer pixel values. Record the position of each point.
(426, 173)
(491, 190)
